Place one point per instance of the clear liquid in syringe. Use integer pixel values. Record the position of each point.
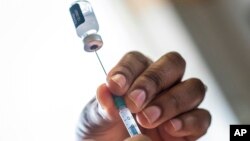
(129, 121)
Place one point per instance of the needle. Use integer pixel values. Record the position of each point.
(124, 112)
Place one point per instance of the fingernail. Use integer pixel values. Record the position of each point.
(119, 79)
(152, 113)
(138, 97)
(176, 123)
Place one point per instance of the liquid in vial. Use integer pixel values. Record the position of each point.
(86, 25)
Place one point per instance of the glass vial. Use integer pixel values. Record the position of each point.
(86, 25)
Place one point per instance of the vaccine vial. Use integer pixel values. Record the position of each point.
(86, 25)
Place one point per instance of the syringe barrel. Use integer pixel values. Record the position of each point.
(129, 121)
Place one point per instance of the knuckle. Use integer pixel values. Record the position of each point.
(154, 77)
(138, 57)
(198, 85)
(208, 119)
(204, 118)
(126, 67)
(131, 62)
(134, 53)
(199, 122)
(176, 59)
(175, 101)
(203, 128)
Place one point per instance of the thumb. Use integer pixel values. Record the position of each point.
(138, 138)
(99, 115)
(104, 98)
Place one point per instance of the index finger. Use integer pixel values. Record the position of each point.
(121, 77)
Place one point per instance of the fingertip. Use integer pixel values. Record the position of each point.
(119, 80)
(104, 97)
(143, 121)
(176, 128)
(131, 105)
(192, 124)
(117, 84)
(150, 117)
(172, 126)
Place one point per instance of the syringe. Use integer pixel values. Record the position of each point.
(87, 27)
(124, 112)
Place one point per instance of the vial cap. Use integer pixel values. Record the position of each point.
(92, 42)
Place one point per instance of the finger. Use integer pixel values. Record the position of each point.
(124, 73)
(160, 75)
(99, 117)
(104, 98)
(184, 97)
(138, 138)
(191, 125)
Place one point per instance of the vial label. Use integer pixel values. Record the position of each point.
(77, 15)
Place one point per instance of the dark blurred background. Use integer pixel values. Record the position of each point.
(221, 31)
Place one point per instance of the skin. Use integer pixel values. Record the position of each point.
(164, 105)
(138, 138)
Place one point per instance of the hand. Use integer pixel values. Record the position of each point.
(138, 138)
(165, 106)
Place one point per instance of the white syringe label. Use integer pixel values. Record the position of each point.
(129, 122)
